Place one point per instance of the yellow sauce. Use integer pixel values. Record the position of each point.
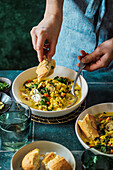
(49, 94)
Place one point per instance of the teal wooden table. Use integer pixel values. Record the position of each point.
(100, 86)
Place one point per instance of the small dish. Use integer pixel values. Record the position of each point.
(6, 100)
(6, 89)
(44, 147)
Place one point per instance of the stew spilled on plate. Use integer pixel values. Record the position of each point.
(49, 94)
(97, 131)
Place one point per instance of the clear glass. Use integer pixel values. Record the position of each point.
(91, 161)
(15, 126)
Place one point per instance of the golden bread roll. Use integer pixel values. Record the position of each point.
(31, 161)
(55, 162)
(89, 127)
(45, 68)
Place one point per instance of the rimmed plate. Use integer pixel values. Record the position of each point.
(99, 108)
(44, 146)
(59, 71)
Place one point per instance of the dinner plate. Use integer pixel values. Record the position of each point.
(44, 147)
(99, 108)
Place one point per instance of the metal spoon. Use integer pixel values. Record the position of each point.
(81, 67)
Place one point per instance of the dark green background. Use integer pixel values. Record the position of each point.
(17, 17)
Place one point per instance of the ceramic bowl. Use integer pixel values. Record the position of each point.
(44, 147)
(59, 71)
(6, 100)
(99, 108)
(8, 81)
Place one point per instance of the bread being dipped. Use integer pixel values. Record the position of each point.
(45, 68)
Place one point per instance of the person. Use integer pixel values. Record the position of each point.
(87, 26)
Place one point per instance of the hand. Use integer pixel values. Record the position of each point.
(101, 57)
(48, 29)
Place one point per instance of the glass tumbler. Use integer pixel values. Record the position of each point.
(15, 126)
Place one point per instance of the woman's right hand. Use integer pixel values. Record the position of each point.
(48, 29)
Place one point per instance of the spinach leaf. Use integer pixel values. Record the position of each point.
(42, 103)
(106, 139)
(55, 78)
(103, 149)
(45, 98)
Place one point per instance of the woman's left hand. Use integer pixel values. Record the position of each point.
(101, 57)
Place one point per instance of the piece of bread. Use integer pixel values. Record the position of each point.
(45, 68)
(31, 161)
(89, 127)
(55, 162)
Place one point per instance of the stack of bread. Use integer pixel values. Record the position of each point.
(52, 161)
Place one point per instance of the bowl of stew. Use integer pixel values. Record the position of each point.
(51, 96)
(103, 114)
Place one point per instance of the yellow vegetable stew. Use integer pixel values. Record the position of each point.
(49, 94)
(104, 142)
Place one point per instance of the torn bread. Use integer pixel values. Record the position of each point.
(55, 162)
(89, 127)
(45, 68)
(31, 161)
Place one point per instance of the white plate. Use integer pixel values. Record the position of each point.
(99, 108)
(44, 146)
(59, 71)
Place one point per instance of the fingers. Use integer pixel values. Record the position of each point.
(40, 45)
(83, 53)
(79, 57)
(34, 38)
(38, 39)
(93, 57)
(101, 63)
(52, 49)
(101, 57)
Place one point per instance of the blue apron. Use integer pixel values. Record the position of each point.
(86, 24)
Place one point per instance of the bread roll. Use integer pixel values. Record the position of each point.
(45, 68)
(55, 162)
(31, 161)
(89, 127)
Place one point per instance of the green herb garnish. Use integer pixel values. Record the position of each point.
(3, 85)
(45, 98)
(43, 103)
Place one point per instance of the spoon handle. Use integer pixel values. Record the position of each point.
(81, 66)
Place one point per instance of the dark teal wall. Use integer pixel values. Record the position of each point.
(17, 17)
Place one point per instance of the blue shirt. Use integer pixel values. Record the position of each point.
(86, 24)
